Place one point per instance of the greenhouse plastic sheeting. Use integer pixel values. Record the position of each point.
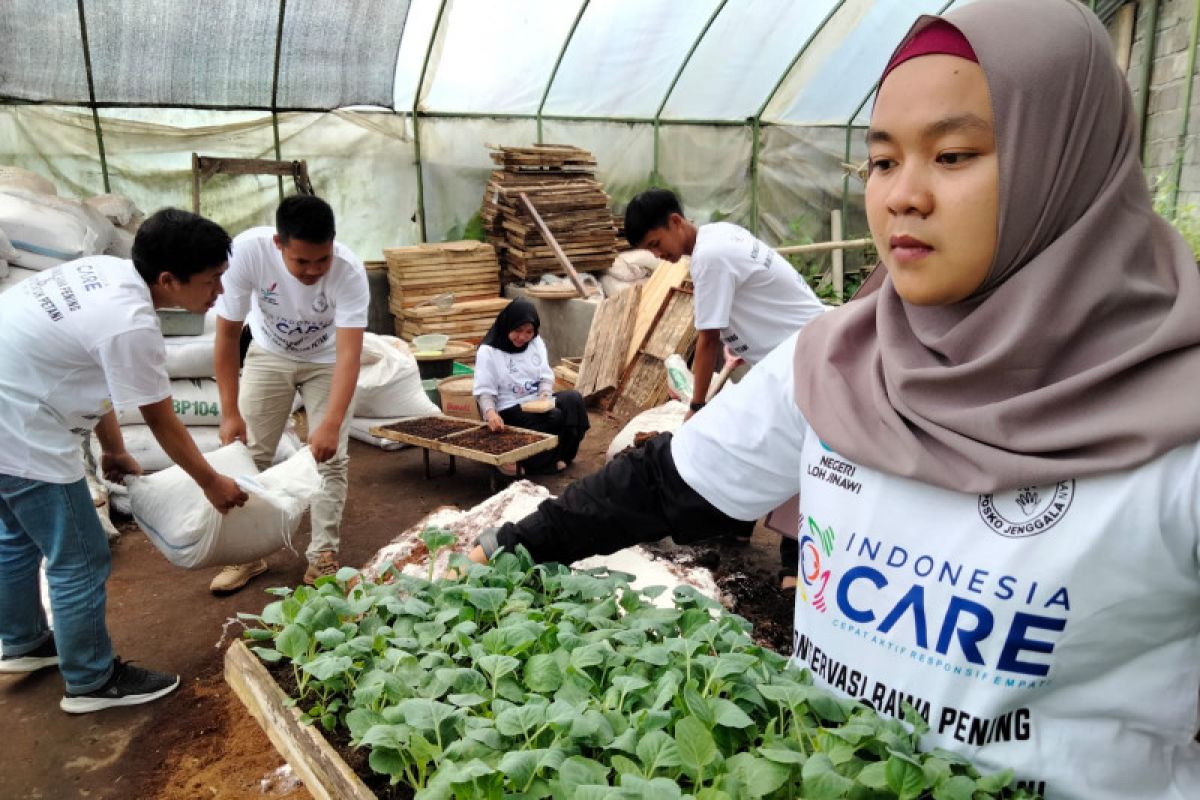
(210, 53)
(361, 162)
(600, 72)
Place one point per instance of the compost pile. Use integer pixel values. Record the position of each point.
(532, 681)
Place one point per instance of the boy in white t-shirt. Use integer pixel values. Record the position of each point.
(79, 341)
(304, 297)
(747, 296)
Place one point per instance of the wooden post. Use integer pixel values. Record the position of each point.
(195, 184)
(839, 275)
(550, 240)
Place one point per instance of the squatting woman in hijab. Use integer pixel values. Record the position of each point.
(514, 385)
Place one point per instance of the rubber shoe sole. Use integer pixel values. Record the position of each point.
(42, 656)
(27, 664)
(128, 686)
(84, 704)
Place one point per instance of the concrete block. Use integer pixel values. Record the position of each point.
(565, 323)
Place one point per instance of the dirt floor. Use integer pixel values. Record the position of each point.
(199, 742)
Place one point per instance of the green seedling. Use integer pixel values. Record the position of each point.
(523, 680)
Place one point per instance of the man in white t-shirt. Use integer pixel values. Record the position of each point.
(304, 297)
(747, 296)
(78, 342)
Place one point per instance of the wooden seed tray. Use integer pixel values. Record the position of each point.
(446, 443)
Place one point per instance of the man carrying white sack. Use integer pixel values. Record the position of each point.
(305, 297)
(77, 341)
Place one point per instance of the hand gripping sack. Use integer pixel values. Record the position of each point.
(173, 511)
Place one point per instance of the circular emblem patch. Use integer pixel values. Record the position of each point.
(320, 304)
(1028, 511)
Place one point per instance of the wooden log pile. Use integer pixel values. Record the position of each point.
(560, 182)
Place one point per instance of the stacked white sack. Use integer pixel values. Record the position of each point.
(389, 390)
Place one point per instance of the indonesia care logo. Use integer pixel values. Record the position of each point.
(816, 555)
(1028, 511)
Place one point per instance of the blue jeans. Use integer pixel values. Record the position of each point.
(56, 521)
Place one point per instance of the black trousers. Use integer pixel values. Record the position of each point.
(637, 497)
(568, 420)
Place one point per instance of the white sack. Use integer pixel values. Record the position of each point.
(173, 511)
(15, 276)
(192, 356)
(48, 230)
(666, 418)
(121, 245)
(117, 208)
(389, 383)
(197, 403)
(633, 265)
(27, 180)
(7, 253)
(141, 444)
(360, 430)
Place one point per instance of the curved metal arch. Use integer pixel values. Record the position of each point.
(558, 62)
(654, 176)
(437, 26)
(756, 120)
(850, 128)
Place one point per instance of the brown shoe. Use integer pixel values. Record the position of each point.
(232, 578)
(326, 564)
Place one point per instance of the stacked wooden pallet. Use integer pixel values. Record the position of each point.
(467, 320)
(418, 274)
(560, 182)
(566, 374)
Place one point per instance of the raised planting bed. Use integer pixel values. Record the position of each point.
(532, 681)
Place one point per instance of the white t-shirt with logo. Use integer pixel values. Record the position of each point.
(286, 317)
(75, 340)
(1052, 629)
(512, 377)
(747, 291)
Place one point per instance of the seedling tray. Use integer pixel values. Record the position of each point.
(470, 431)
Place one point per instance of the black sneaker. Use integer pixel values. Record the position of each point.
(44, 655)
(128, 686)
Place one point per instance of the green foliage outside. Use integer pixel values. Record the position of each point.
(534, 681)
(472, 230)
(816, 268)
(1185, 218)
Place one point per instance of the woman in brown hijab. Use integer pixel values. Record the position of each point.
(996, 451)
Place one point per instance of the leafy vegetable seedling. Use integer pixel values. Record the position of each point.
(523, 680)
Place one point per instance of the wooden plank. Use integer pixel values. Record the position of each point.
(608, 339)
(655, 291)
(549, 237)
(326, 776)
(644, 382)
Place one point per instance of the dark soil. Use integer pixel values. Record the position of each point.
(431, 427)
(494, 442)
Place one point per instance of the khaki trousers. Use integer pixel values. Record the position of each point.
(267, 391)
